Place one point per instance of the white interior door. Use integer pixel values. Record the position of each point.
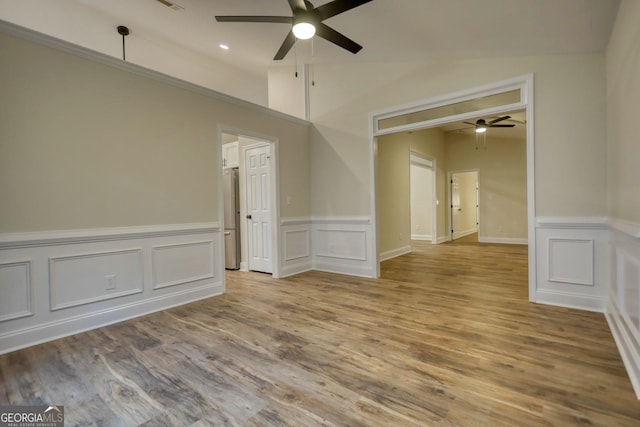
(258, 182)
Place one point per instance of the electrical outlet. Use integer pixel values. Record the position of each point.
(111, 281)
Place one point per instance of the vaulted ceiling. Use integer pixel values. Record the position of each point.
(389, 30)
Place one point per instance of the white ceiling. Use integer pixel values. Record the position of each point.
(389, 30)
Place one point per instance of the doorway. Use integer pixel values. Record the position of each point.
(255, 158)
(465, 204)
(501, 97)
(422, 198)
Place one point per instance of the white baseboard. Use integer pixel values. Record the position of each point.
(293, 269)
(395, 253)
(624, 338)
(504, 240)
(571, 300)
(65, 282)
(442, 239)
(421, 237)
(343, 245)
(341, 268)
(41, 333)
(464, 233)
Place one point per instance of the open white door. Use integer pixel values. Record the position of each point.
(258, 184)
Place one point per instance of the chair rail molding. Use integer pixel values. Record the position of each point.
(62, 282)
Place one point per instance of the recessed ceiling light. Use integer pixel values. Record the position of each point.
(223, 46)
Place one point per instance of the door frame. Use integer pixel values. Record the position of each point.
(434, 195)
(525, 85)
(274, 184)
(450, 198)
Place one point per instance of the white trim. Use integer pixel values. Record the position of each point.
(584, 223)
(83, 52)
(624, 342)
(503, 240)
(307, 239)
(465, 233)
(154, 264)
(629, 228)
(452, 98)
(571, 300)
(53, 283)
(22, 338)
(526, 85)
(295, 221)
(63, 237)
(350, 220)
(394, 253)
(27, 263)
(442, 239)
(421, 237)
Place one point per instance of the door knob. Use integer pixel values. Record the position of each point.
(248, 216)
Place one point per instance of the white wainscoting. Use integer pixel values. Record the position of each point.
(503, 240)
(15, 288)
(573, 262)
(59, 283)
(343, 245)
(623, 306)
(296, 246)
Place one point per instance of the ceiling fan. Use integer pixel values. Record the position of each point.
(306, 22)
(482, 125)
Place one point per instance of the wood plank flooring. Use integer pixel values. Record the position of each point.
(445, 338)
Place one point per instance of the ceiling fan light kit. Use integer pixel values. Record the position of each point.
(306, 22)
(303, 26)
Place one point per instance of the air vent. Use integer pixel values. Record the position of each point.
(171, 5)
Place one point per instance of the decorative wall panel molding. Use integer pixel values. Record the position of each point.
(343, 246)
(623, 306)
(571, 261)
(91, 277)
(82, 279)
(15, 289)
(296, 246)
(182, 263)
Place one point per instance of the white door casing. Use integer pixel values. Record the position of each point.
(258, 184)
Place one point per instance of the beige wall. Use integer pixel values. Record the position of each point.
(464, 199)
(503, 181)
(394, 211)
(623, 98)
(421, 200)
(569, 125)
(290, 101)
(85, 145)
(394, 205)
(94, 27)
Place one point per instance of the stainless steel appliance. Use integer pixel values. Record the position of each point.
(231, 219)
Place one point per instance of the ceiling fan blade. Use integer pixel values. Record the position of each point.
(336, 7)
(274, 19)
(472, 124)
(297, 5)
(499, 119)
(336, 38)
(287, 44)
(500, 126)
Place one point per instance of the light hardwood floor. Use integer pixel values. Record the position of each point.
(445, 338)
